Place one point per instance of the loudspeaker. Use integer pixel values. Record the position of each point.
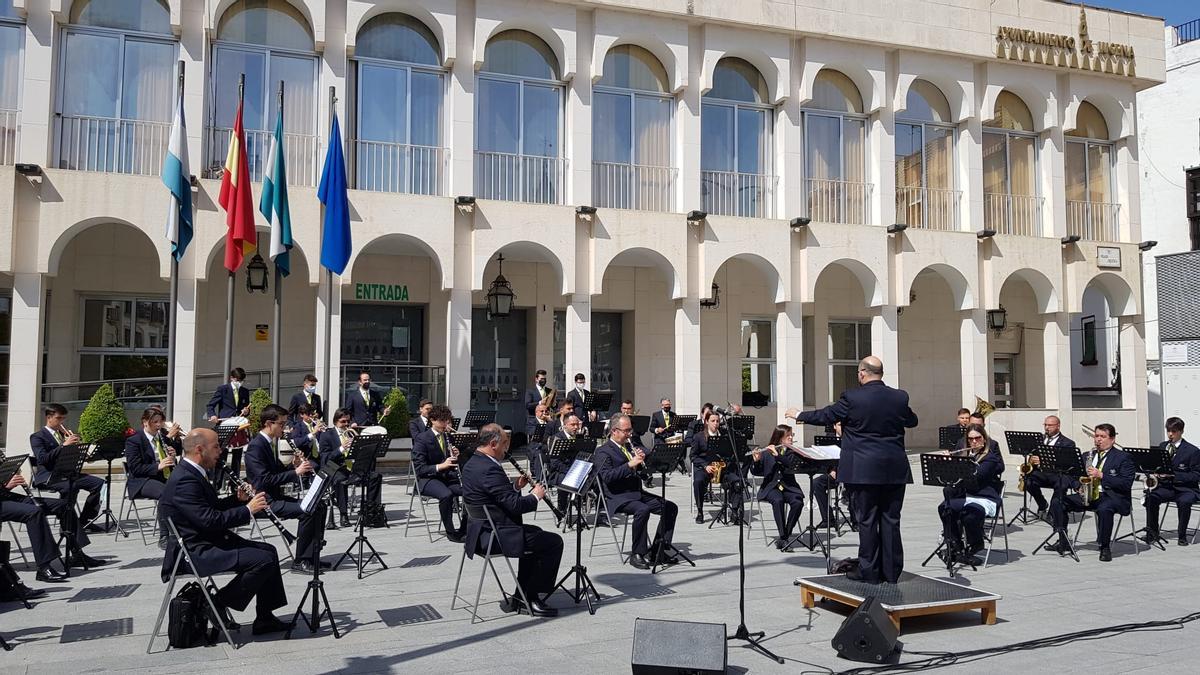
(868, 634)
(672, 647)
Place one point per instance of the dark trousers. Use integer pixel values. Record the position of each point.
(1036, 482)
(307, 531)
(536, 460)
(257, 577)
(41, 537)
(1104, 508)
(700, 481)
(372, 484)
(958, 517)
(640, 510)
(152, 489)
(880, 551)
(1184, 499)
(787, 507)
(445, 493)
(538, 568)
(89, 484)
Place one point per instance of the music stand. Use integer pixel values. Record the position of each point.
(743, 425)
(577, 480)
(722, 448)
(476, 419)
(944, 471)
(363, 452)
(641, 424)
(464, 441)
(796, 463)
(67, 468)
(1149, 461)
(598, 401)
(1023, 443)
(679, 424)
(597, 429)
(318, 493)
(663, 459)
(836, 514)
(455, 422)
(1068, 463)
(108, 451)
(948, 437)
(225, 435)
(562, 452)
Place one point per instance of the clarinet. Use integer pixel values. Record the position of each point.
(546, 498)
(239, 484)
(29, 493)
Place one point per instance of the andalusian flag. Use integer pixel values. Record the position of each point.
(177, 177)
(236, 199)
(274, 201)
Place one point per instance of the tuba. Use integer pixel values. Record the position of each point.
(550, 398)
(983, 407)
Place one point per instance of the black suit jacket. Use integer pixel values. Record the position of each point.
(203, 520)
(1186, 466)
(701, 457)
(775, 479)
(657, 420)
(303, 440)
(621, 484)
(329, 447)
(416, 427)
(426, 455)
(141, 460)
(532, 399)
(264, 470)
(362, 413)
(1117, 483)
(485, 484)
(575, 397)
(299, 399)
(987, 476)
(46, 449)
(1062, 442)
(874, 417)
(226, 402)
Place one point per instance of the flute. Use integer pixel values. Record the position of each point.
(558, 516)
(240, 484)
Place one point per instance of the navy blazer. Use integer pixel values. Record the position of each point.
(987, 476)
(775, 479)
(203, 520)
(695, 428)
(874, 417)
(1063, 442)
(141, 460)
(302, 439)
(1117, 483)
(701, 457)
(226, 402)
(426, 455)
(532, 399)
(299, 399)
(575, 397)
(45, 454)
(1186, 466)
(329, 447)
(657, 420)
(416, 427)
(264, 470)
(621, 484)
(362, 413)
(485, 484)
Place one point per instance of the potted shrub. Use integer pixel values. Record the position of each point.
(396, 421)
(259, 399)
(103, 421)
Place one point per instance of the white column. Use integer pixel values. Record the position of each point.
(789, 356)
(458, 350)
(37, 96)
(24, 360)
(1054, 186)
(1056, 350)
(185, 355)
(579, 338)
(885, 342)
(333, 350)
(687, 355)
(461, 135)
(821, 395)
(1133, 372)
(687, 133)
(579, 117)
(970, 174)
(974, 358)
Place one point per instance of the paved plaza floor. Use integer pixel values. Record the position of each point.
(400, 620)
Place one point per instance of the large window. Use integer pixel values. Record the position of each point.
(735, 142)
(758, 362)
(849, 343)
(267, 41)
(518, 137)
(398, 138)
(123, 337)
(835, 138)
(1011, 204)
(12, 37)
(631, 133)
(1091, 211)
(116, 86)
(925, 194)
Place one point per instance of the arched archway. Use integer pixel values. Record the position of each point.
(1098, 336)
(838, 330)
(1017, 355)
(929, 352)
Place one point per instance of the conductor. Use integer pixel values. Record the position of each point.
(873, 466)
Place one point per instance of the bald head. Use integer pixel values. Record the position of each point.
(870, 368)
(201, 446)
(493, 441)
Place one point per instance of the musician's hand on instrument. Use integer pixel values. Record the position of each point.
(539, 491)
(245, 411)
(659, 430)
(1034, 460)
(175, 431)
(305, 468)
(521, 482)
(166, 462)
(833, 474)
(386, 411)
(258, 504)
(214, 419)
(15, 481)
(447, 464)
(592, 415)
(756, 454)
(710, 469)
(1094, 472)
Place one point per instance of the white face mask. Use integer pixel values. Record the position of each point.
(311, 389)
(235, 384)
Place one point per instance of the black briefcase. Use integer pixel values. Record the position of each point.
(188, 619)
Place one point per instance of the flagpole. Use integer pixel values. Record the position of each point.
(173, 317)
(232, 275)
(276, 319)
(329, 293)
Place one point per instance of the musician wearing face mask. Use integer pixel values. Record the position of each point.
(617, 462)
(779, 487)
(1111, 472)
(333, 444)
(703, 464)
(536, 394)
(964, 509)
(578, 396)
(1038, 479)
(365, 403)
(435, 460)
(661, 420)
(267, 474)
(306, 396)
(230, 399)
(150, 456)
(47, 443)
(1182, 486)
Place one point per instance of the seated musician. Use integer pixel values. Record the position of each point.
(205, 523)
(486, 484)
(420, 423)
(435, 461)
(149, 458)
(963, 447)
(1038, 479)
(47, 443)
(565, 409)
(697, 425)
(306, 431)
(963, 420)
(1181, 487)
(1112, 472)
(826, 483)
(779, 487)
(332, 445)
(617, 462)
(18, 507)
(703, 468)
(661, 421)
(267, 474)
(537, 427)
(572, 428)
(963, 510)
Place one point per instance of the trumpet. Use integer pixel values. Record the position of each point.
(240, 484)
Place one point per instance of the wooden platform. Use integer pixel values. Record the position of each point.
(912, 595)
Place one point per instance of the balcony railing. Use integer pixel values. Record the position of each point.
(1188, 32)
(520, 178)
(112, 145)
(300, 151)
(839, 201)
(930, 208)
(1012, 214)
(731, 193)
(397, 167)
(9, 123)
(1094, 221)
(633, 186)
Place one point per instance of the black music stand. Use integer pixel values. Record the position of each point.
(663, 459)
(1067, 463)
(455, 422)
(109, 451)
(67, 468)
(945, 471)
(464, 441)
(597, 429)
(564, 452)
(640, 423)
(795, 463)
(1023, 443)
(742, 425)
(723, 448)
(363, 451)
(598, 401)
(225, 435)
(476, 419)
(318, 493)
(581, 473)
(948, 437)
(836, 514)
(1149, 461)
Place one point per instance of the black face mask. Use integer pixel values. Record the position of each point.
(667, 409)
(541, 382)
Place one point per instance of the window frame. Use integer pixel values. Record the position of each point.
(832, 363)
(521, 81)
(925, 156)
(1087, 334)
(633, 95)
(11, 22)
(1087, 144)
(132, 350)
(1009, 134)
(769, 142)
(772, 360)
(268, 91)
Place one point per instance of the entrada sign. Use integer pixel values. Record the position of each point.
(381, 292)
(1053, 49)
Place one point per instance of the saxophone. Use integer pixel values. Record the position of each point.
(718, 468)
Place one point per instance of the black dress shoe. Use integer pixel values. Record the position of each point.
(269, 624)
(699, 518)
(534, 608)
(307, 566)
(855, 574)
(345, 521)
(48, 575)
(1105, 555)
(1183, 541)
(24, 592)
(456, 538)
(784, 548)
(639, 561)
(83, 558)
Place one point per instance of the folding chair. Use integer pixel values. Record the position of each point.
(182, 555)
(602, 507)
(414, 495)
(480, 513)
(123, 512)
(1162, 521)
(1133, 540)
(989, 529)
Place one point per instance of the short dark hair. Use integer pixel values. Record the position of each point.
(627, 401)
(1175, 424)
(1107, 428)
(580, 376)
(309, 377)
(440, 413)
(540, 371)
(272, 413)
(962, 411)
(150, 413)
(52, 409)
(978, 428)
(238, 373)
(304, 409)
(978, 416)
(706, 406)
(424, 402)
(364, 371)
(340, 413)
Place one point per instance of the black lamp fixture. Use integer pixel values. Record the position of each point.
(500, 294)
(897, 228)
(256, 274)
(985, 234)
(29, 170)
(997, 319)
(696, 216)
(464, 201)
(714, 301)
(585, 210)
(799, 223)
(1147, 245)
(1070, 239)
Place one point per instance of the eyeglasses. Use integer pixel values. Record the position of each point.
(974, 438)
(624, 430)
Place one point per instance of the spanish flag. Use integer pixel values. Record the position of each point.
(236, 199)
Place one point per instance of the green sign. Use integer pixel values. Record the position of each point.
(381, 292)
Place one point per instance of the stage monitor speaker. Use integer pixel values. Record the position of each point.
(675, 647)
(867, 635)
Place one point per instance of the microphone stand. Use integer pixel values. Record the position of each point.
(754, 639)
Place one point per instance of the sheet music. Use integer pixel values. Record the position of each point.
(576, 475)
(821, 452)
(314, 491)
